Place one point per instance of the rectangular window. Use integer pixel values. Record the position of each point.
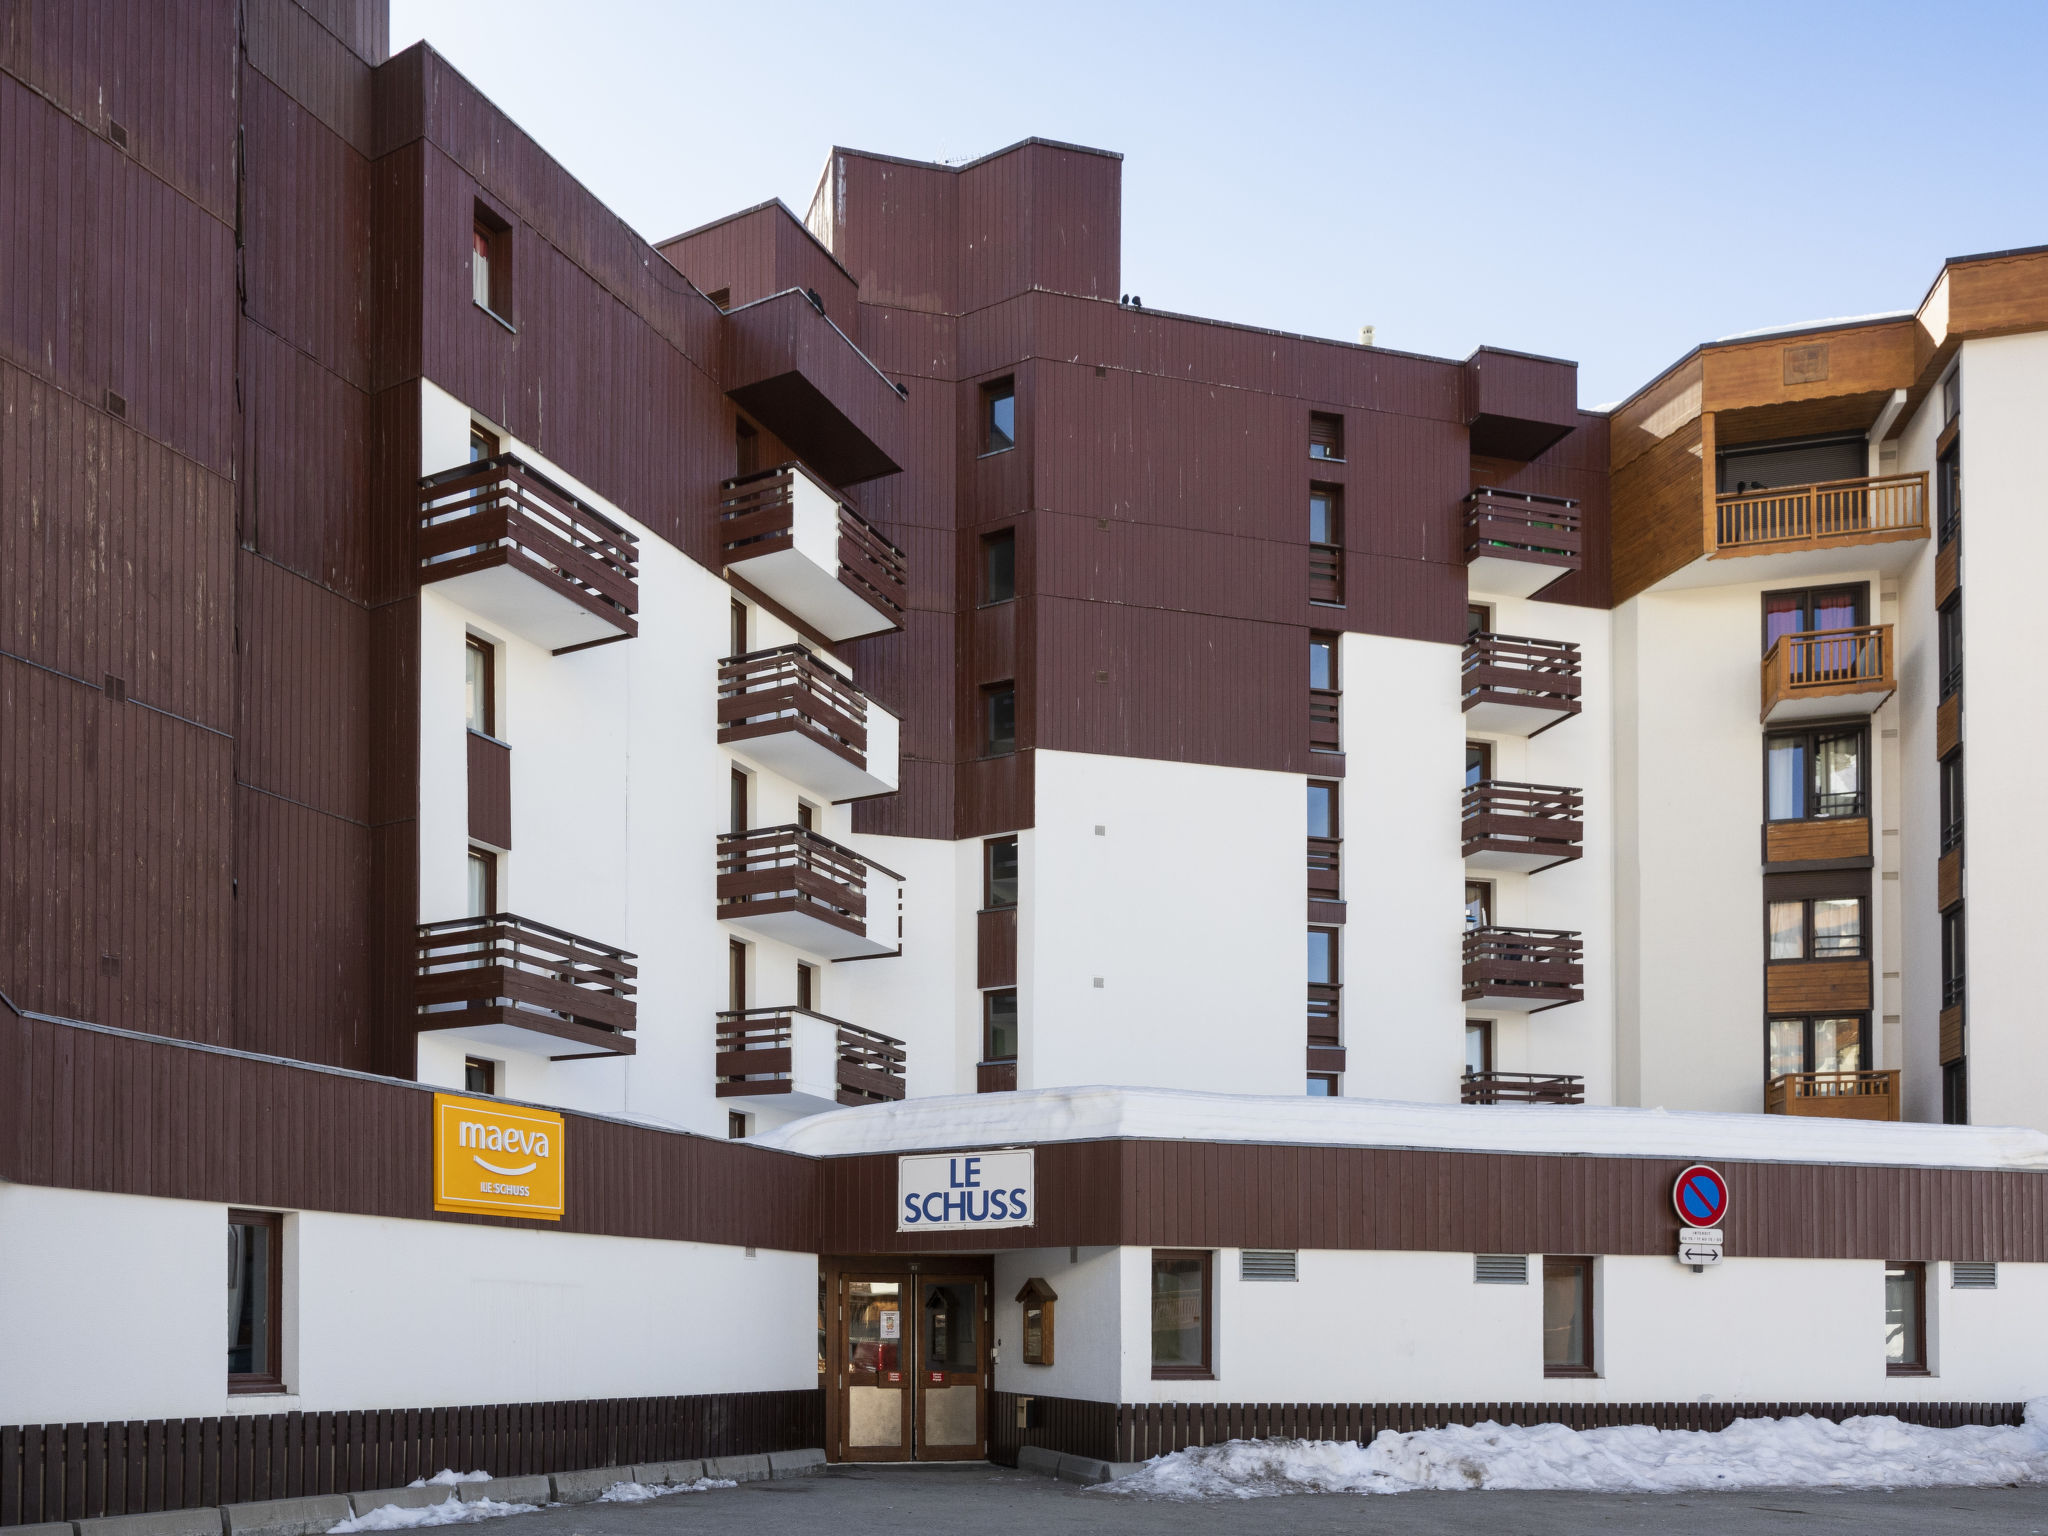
(1325, 514)
(479, 1075)
(1322, 663)
(490, 263)
(999, 873)
(1952, 395)
(1955, 1093)
(1952, 958)
(737, 810)
(1948, 495)
(1478, 620)
(735, 1125)
(1818, 928)
(1322, 809)
(1813, 609)
(1478, 903)
(1822, 1044)
(737, 638)
(1479, 1045)
(806, 986)
(999, 720)
(255, 1301)
(479, 680)
(1815, 773)
(999, 416)
(735, 976)
(1180, 1315)
(1905, 1319)
(999, 1025)
(483, 882)
(1948, 634)
(482, 444)
(1322, 957)
(1567, 1317)
(1951, 800)
(807, 816)
(746, 448)
(1325, 436)
(999, 566)
(1322, 1085)
(1478, 762)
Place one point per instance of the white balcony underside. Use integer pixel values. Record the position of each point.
(813, 594)
(806, 761)
(801, 931)
(1524, 861)
(1509, 1000)
(1817, 706)
(523, 606)
(1491, 576)
(1512, 719)
(510, 1037)
(1796, 567)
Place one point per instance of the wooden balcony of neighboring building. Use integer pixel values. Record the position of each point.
(1325, 720)
(1326, 574)
(514, 547)
(1523, 970)
(809, 1062)
(1836, 514)
(1325, 1027)
(789, 884)
(1516, 543)
(1835, 1095)
(788, 710)
(1522, 1088)
(1525, 827)
(792, 538)
(1828, 672)
(995, 1077)
(1517, 686)
(1326, 869)
(789, 366)
(510, 981)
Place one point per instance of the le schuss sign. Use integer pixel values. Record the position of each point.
(966, 1190)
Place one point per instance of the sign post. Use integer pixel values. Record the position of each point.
(1700, 1196)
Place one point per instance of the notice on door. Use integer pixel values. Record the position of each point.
(965, 1191)
(500, 1158)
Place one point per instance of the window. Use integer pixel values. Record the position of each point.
(1955, 1093)
(807, 816)
(999, 416)
(1322, 957)
(1325, 514)
(999, 1025)
(722, 297)
(1479, 1045)
(479, 1075)
(737, 639)
(1478, 620)
(806, 986)
(1905, 1319)
(738, 808)
(735, 1125)
(1948, 495)
(1948, 632)
(1952, 395)
(255, 1301)
(1815, 773)
(1325, 436)
(1322, 662)
(1325, 703)
(1567, 1317)
(999, 720)
(1952, 958)
(999, 566)
(1180, 1315)
(1322, 809)
(1326, 544)
(746, 448)
(483, 882)
(999, 873)
(735, 976)
(1478, 762)
(479, 680)
(1816, 928)
(1812, 609)
(482, 444)
(490, 263)
(1037, 1299)
(1833, 1044)
(1322, 1085)
(1951, 801)
(1478, 903)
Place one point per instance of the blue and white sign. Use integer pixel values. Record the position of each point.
(966, 1191)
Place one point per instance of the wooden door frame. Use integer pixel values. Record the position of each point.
(908, 1269)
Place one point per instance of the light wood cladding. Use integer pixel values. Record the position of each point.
(1807, 363)
(2000, 294)
(1798, 418)
(1948, 725)
(1832, 837)
(1952, 1034)
(1948, 880)
(1861, 359)
(1946, 571)
(1657, 496)
(1818, 986)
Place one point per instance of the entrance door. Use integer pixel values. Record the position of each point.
(913, 1373)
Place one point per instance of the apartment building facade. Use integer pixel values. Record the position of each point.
(824, 691)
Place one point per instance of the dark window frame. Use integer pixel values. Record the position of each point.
(1485, 888)
(1586, 1365)
(993, 393)
(1949, 777)
(1326, 433)
(1954, 940)
(1948, 645)
(988, 1001)
(1955, 1091)
(735, 1125)
(487, 656)
(992, 541)
(991, 744)
(806, 986)
(487, 860)
(736, 634)
(491, 238)
(1810, 736)
(1478, 619)
(989, 901)
(739, 807)
(1334, 789)
(1328, 1086)
(1036, 1296)
(472, 1066)
(1807, 1056)
(735, 976)
(1807, 951)
(1205, 1370)
(1326, 640)
(269, 1382)
(1484, 1029)
(1918, 1270)
(1948, 495)
(1806, 596)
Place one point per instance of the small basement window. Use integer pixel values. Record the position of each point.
(1037, 1298)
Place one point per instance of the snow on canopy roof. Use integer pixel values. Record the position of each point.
(1159, 1114)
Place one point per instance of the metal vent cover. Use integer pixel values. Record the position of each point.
(1500, 1269)
(1267, 1264)
(1974, 1275)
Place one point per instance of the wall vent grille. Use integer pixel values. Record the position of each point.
(1267, 1264)
(1974, 1276)
(1500, 1269)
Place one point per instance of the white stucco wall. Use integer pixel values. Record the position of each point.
(1087, 1336)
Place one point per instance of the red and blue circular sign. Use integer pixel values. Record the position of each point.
(1700, 1196)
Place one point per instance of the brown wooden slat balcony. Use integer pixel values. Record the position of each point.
(1870, 1095)
(812, 1061)
(791, 712)
(1523, 970)
(1526, 827)
(1325, 1013)
(1325, 720)
(995, 1077)
(1522, 1088)
(511, 980)
(1517, 543)
(510, 544)
(792, 537)
(788, 883)
(1828, 515)
(1326, 573)
(1828, 672)
(1518, 686)
(1326, 869)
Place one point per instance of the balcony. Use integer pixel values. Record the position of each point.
(808, 1062)
(1834, 1095)
(1828, 672)
(789, 367)
(806, 891)
(506, 980)
(513, 547)
(1516, 686)
(1525, 827)
(1522, 970)
(1834, 514)
(1325, 720)
(788, 711)
(794, 539)
(1326, 869)
(995, 1076)
(1516, 544)
(1521, 1088)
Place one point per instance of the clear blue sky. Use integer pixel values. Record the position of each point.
(1611, 183)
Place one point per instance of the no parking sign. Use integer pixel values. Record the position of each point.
(1700, 1196)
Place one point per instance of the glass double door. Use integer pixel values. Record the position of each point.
(913, 1375)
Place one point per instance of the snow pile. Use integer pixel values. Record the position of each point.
(634, 1493)
(389, 1517)
(1874, 1452)
(449, 1477)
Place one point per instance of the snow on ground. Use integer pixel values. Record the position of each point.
(633, 1493)
(1875, 1452)
(389, 1517)
(450, 1477)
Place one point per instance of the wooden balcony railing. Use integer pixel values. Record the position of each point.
(1529, 968)
(1520, 672)
(792, 869)
(503, 511)
(1538, 825)
(1326, 868)
(1821, 670)
(1516, 525)
(789, 689)
(1522, 1088)
(1324, 1013)
(756, 1055)
(1325, 573)
(1325, 720)
(995, 1077)
(757, 516)
(503, 969)
(1833, 512)
(1872, 1095)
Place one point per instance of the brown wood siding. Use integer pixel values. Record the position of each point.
(1947, 567)
(1659, 522)
(490, 791)
(1948, 725)
(1948, 880)
(1817, 986)
(995, 948)
(1951, 1034)
(59, 1472)
(1840, 837)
